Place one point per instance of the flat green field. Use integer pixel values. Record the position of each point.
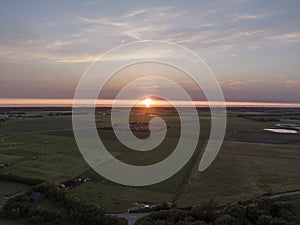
(44, 148)
(243, 170)
(56, 158)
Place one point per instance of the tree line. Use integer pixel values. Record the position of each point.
(70, 211)
(257, 212)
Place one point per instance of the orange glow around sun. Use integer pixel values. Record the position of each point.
(148, 102)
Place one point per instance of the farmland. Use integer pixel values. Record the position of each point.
(243, 171)
(40, 144)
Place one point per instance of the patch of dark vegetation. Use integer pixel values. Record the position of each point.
(262, 119)
(105, 128)
(18, 179)
(256, 212)
(264, 137)
(3, 119)
(63, 133)
(73, 211)
(60, 114)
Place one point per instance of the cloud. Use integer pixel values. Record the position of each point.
(91, 35)
(100, 21)
(252, 83)
(39, 49)
(232, 36)
(293, 83)
(239, 17)
(231, 83)
(262, 90)
(128, 28)
(287, 37)
(135, 13)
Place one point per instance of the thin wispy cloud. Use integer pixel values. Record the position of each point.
(238, 17)
(135, 12)
(287, 37)
(250, 83)
(167, 23)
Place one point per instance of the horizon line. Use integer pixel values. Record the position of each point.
(44, 102)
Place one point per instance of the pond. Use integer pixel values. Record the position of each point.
(282, 131)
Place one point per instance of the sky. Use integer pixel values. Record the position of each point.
(251, 46)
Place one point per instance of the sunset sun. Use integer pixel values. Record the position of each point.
(148, 102)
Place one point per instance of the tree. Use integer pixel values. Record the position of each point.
(226, 220)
